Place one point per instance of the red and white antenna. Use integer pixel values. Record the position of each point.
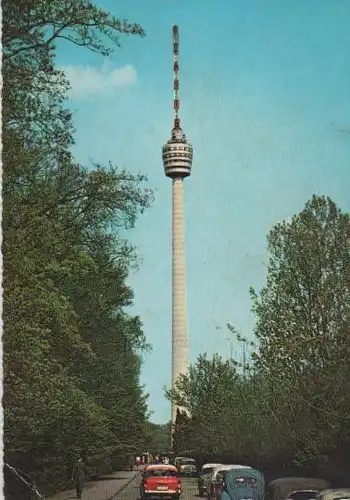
(176, 76)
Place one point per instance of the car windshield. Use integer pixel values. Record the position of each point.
(187, 461)
(303, 495)
(249, 481)
(160, 473)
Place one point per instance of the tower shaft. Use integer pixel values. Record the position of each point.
(179, 292)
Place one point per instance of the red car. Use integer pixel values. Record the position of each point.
(160, 480)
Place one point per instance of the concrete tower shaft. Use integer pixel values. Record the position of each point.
(179, 309)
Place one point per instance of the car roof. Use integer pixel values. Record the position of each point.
(304, 491)
(231, 466)
(287, 479)
(211, 466)
(161, 466)
(335, 493)
(238, 466)
(283, 486)
(226, 467)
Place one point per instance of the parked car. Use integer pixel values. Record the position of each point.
(281, 488)
(303, 495)
(334, 494)
(213, 483)
(241, 483)
(160, 480)
(187, 467)
(204, 477)
(178, 461)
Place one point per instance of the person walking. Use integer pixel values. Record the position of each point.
(78, 475)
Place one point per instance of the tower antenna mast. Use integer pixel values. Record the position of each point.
(176, 76)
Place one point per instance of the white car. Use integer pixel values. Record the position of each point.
(186, 466)
(220, 470)
(210, 467)
(204, 477)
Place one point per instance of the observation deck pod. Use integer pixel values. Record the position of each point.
(177, 155)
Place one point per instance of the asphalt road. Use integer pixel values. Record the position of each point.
(123, 486)
(106, 488)
(132, 491)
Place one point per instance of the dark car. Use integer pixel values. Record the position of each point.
(281, 488)
(303, 495)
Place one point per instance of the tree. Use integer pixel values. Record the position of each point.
(158, 437)
(306, 301)
(302, 326)
(71, 350)
(35, 25)
(208, 393)
(65, 294)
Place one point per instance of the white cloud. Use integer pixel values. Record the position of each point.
(87, 80)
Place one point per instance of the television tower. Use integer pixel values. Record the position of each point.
(177, 160)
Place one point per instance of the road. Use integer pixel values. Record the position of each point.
(123, 486)
(132, 492)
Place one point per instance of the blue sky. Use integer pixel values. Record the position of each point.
(264, 86)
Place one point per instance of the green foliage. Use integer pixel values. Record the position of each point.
(181, 432)
(306, 300)
(71, 349)
(293, 397)
(207, 393)
(35, 24)
(158, 437)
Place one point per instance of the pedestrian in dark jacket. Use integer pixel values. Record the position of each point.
(78, 475)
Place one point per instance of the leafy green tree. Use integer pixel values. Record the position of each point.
(180, 431)
(71, 351)
(306, 301)
(158, 437)
(208, 393)
(64, 303)
(303, 313)
(34, 89)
